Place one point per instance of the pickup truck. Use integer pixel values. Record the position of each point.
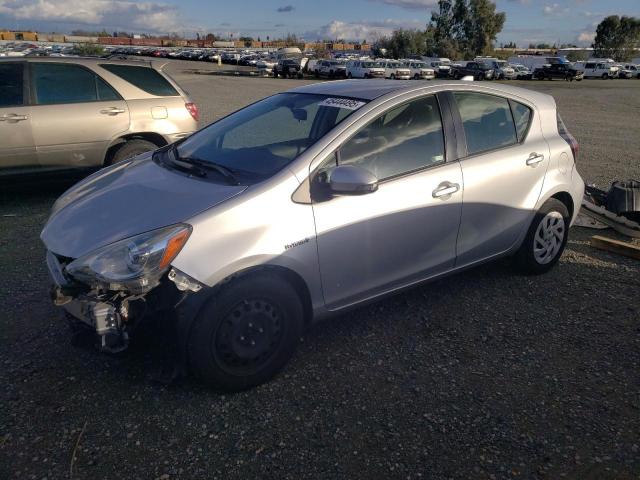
(477, 70)
(564, 71)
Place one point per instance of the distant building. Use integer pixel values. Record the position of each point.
(24, 36)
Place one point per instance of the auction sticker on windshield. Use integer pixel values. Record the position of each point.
(348, 103)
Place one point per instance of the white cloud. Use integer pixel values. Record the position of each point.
(147, 16)
(555, 9)
(409, 4)
(360, 30)
(587, 37)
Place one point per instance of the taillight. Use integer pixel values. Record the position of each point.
(193, 110)
(570, 139)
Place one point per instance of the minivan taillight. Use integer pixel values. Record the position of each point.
(570, 139)
(193, 110)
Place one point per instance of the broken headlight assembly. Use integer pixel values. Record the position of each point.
(135, 264)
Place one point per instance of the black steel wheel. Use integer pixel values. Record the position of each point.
(247, 332)
(248, 336)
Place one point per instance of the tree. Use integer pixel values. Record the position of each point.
(577, 56)
(616, 37)
(465, 27)
(485, 25)
(403, 43)
(210, 37)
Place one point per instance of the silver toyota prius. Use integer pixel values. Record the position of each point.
(305, 204)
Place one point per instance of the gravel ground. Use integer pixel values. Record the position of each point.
(487, 374)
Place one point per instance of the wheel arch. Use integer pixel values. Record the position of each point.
(152, 137)
(285, 273)
(567, 199)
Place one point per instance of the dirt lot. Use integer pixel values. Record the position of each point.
(487, 374)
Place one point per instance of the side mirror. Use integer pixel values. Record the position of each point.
(352, 180)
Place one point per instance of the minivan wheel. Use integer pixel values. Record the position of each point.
(130, 149)
(247, 333)
(545, 240)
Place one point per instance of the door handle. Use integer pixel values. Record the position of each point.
(12, 117)
(534, 159)
(445, 190)
(112, 111)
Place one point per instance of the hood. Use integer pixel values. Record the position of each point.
(129, 198)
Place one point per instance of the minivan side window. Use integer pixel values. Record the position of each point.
(406, 138)
(56, 83)
(11, 86)
(487, 121)
(145, 78)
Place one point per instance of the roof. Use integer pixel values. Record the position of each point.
(376, 88)
(82, 60)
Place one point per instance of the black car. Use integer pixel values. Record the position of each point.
(564, 71)
(477, 70)
(288, 68)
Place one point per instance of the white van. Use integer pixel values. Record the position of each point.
(365, 69)
(420, 70)
(395, 70)
(441, 66)
(597, 69)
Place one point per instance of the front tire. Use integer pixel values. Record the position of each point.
(247, 333)
(546, 239)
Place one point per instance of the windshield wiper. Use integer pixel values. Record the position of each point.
(226, 172)
(200, 166)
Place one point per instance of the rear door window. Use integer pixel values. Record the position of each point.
(145, 78)
(11, 84)
(487, 121)
(55, 83)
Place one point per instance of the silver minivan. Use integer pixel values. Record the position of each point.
(308, 203)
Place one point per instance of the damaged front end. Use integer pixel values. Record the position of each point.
(113, 288)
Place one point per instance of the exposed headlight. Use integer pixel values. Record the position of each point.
(135, 264)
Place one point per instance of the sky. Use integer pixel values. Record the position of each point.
(528, 21)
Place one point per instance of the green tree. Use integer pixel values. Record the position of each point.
(88, 50)
(616, 37)
(577, 56)
(485, 25)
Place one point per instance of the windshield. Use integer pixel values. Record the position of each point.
(261, 139)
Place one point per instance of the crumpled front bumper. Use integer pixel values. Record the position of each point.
(99, 314)
(113, 315)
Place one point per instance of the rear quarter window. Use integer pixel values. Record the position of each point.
(145, 78)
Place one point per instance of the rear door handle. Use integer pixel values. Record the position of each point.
(13, 117)
(534, 159)
(445, 190)
(112, 111)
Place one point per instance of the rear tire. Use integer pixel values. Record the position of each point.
(545, 240)
(605, 76)
(130, 149)
(247, 333)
